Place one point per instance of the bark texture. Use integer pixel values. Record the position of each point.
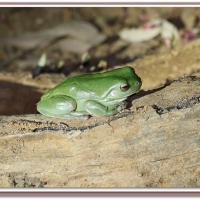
(153, 143)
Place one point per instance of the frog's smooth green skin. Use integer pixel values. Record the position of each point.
(100, 94)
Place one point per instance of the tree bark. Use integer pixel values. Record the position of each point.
(155, 142)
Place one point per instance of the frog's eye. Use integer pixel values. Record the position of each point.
(124, 87)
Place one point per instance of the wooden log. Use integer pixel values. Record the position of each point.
(155, 142)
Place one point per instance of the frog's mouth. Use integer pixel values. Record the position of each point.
(135, 92)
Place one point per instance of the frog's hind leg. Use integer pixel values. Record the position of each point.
(59, 106)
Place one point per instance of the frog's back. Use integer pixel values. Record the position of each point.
(86, 83)
(64, 87)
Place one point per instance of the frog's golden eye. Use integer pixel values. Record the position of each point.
(124, 87)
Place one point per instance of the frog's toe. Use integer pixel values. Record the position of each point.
(121, 106)
(80, 115)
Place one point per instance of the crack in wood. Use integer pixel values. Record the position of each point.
(83, 128)
(181, 104)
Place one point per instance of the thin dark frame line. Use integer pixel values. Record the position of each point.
(93, 194)
(100, 3)
(101, 194)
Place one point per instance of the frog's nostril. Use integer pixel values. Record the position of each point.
(137, 83)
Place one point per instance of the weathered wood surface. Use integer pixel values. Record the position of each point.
(153, 143)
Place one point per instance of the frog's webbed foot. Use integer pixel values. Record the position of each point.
(121, 106)
(72, 116)
(97, 109)
(79, 115)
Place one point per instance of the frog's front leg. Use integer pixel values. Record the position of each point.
(60, 106)
(97, 109)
